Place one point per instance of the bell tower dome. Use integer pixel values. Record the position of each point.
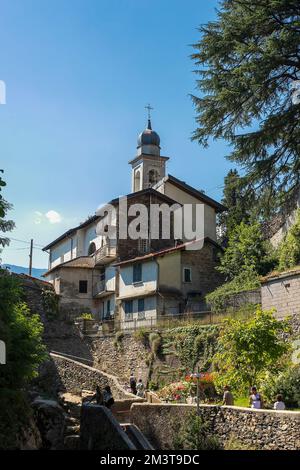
(148, 167)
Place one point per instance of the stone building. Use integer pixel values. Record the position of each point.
(85, 262)
(166, 282)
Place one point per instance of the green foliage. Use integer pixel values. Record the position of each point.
(248, 349)
(246, 251)
(233, 443)
(289, 249)
(50, 303)
(155, 341)
(118, 340)
(287, 383)
(247, 60)
(5, 225)
(15, 414)
(141, 335)
(22, 333)
(195, 434)
(86, 316)
(238, 207)
(220, 298)
(194, 344)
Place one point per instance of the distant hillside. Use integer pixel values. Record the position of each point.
(22, 270)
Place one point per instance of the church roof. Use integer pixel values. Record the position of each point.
(194, 192)
(148, 136)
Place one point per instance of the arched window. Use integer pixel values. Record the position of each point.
(137, 180)
(153, 177)
(92, 249)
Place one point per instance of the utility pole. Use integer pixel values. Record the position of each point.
(30, 257)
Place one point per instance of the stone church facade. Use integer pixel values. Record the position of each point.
(87, 268)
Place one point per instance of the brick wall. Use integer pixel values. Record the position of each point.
(282, 293)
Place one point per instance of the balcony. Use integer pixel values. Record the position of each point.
(100, 289)
(105, 254)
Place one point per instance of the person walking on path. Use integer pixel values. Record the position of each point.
(132, 383)
(140, 389)
(255, 399)
(279, 403)
(228, 399)
(98, 397)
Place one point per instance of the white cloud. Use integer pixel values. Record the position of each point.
(53, 217)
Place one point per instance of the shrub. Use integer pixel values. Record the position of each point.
(141, 335)
(22, 333)
(15, 414)
(249, 349)
(50, 303)
(195, 434)
(193, 344)
(233, 443)
(155, 341)
(118, 340)
(287, 384)
(86, 316)
(289, 249)
(219, 298)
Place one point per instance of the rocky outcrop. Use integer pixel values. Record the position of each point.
(30, 437)
(50, 420)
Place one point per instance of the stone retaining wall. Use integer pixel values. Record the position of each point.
(236, 301)
(75, 376)
(282, 292)
(262, 429)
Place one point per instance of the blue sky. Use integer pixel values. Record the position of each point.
(78, 75)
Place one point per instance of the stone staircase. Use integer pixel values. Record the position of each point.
(72, 406)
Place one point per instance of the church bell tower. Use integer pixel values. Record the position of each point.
(148, 167)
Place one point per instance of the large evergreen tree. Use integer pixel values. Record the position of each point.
(248, 61)
(234, 198)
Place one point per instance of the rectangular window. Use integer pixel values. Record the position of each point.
(128, 308)
(187, 275)
(141, 309)
(137, 272)
(141, 305)
(83, 287)
(108, 308)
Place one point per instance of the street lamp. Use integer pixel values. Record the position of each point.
(197, 375)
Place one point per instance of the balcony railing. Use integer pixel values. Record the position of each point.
(99, 287)
(105, 254)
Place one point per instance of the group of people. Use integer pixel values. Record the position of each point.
(137, 388)
(103, 398)
(255, 399)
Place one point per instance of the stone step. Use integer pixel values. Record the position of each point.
(72, 430)
(71, 421)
